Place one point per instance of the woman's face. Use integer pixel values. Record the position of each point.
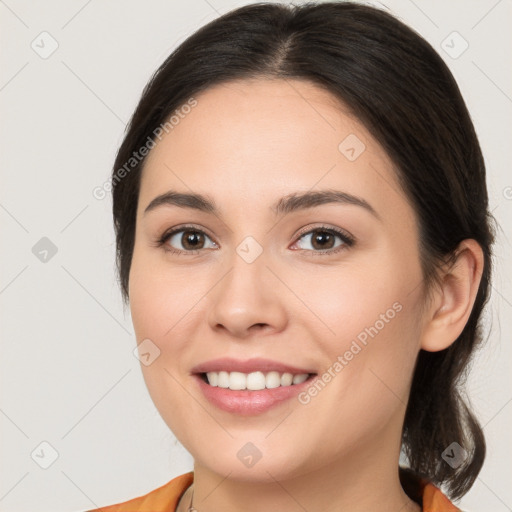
(276, 283)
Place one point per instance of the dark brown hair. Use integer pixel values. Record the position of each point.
(394, 82)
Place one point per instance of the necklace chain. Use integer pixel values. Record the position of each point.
(190, 507)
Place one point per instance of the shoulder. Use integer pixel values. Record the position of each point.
(425, 493)
(435, 501)
(163, 499)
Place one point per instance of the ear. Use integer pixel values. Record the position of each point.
(453, 300)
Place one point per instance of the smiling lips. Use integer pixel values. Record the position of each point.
(249, 387)
(254, 374)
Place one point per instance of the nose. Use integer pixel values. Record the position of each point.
(248, 300)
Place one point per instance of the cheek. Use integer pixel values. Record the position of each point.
(370, 332)
(358, 299)
(162, 297)
(365, 381)
(165, 305)
(161, 308)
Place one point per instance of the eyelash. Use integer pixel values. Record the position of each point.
(348, 240)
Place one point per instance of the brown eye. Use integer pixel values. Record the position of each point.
(187, 240)
(192, 240)
(324, 240)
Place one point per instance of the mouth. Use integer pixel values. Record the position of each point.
(254, 393)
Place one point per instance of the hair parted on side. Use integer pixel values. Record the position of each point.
(401, 90)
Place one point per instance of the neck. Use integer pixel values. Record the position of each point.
(365, 480)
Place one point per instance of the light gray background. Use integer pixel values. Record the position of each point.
(69, 377)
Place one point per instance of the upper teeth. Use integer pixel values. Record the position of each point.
(253, 381)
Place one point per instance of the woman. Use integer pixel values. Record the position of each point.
(304, 240)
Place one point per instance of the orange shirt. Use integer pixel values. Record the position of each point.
(166, 498)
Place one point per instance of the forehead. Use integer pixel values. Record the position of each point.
(263, 139)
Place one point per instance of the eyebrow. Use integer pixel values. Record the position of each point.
(286, 204)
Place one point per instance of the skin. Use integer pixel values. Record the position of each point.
(245, 145)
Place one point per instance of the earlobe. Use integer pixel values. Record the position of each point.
(455, 297)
